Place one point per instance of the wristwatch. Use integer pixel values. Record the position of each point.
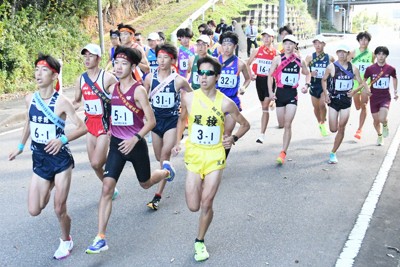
(235, 138)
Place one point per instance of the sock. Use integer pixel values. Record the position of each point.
(198, 240)
(157, 195)
(102, 236)
(384, 124)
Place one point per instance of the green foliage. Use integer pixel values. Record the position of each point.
(29, 31)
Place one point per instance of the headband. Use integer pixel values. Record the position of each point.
(166, 53)
(124, 56)
(126, 30)
(228, 40)
(45, 64)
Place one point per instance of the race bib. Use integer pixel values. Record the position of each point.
(263, 66)
(362, 67)
(183, 64)
(93, 107)
(227, 80)
(382, 83)
(205, 135)
(290, 78)
(343, 85)
(195, 78)
(121, 116)
(320, 72)
(42, 133)
(163, 100)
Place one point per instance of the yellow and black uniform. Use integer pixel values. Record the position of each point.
(204, 151)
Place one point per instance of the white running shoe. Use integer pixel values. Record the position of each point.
(64, 249)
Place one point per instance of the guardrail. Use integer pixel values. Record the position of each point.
(189, 21)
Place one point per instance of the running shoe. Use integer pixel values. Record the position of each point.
(98, 246)
(380, 141)
(358, 134)
(200, 251)
(332, 158)
(323, 130)
(64, 249)
(281, 158)
(385, 131)
(154, 203)
(116, 194)
(260, 139)
(167, 166)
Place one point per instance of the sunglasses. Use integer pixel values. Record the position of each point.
(206, 72)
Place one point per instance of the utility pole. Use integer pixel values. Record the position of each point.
(100, 15)
(282, 13)
(318, 19)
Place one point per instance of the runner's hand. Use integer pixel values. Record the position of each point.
(327, 98)
(304, 89)
(253, 77)
(126, 146)
(272, 97)
(175, 150)
(242, 90)
(53, 146)
(14, 154)
(351, 93)
(227, 141)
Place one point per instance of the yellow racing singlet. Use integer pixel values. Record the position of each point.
(206, 121)
(362, 63)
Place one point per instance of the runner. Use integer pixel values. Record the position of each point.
(114, 37)
(165, 87)
(52, 159)
(153, 40)
(285, 69)
(129, 106)
(251, 33)
(186, 50)
(127, 37)
(263, 57)
(204, 155)
(139, 41)
(283, 31)
(202, 44)
(337, 85)
(229, 80)
(362, 58)
(317, 63)
(214, 48)
(94, 86)
(379, 74)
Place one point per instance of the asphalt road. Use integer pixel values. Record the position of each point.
(299, 214)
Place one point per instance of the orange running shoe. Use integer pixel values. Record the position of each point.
(281, 158)
(358, 134)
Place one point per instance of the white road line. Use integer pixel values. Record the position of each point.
(356, 237)
(12, 131)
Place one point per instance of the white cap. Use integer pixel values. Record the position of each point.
(291, 38)
(93, 49)
(268, 31)
(343, 47)
(204, 38)
(319, 38)
(153, 36)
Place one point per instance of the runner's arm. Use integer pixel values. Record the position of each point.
(328, 72)
(246, 74)
(25, 132)
(271, 78)
(396, 91)
(180, 127)
(228, 106)
(109, 81)
(78, 94)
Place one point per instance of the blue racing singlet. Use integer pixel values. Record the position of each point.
(165, 102)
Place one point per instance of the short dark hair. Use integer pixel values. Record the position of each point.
(50, 60)
(138, 34)
(169, 48)
(208, 32)
(382, 49)
(121, 26)
(231, 35)
(213, 61)
(114, 32)
(285, 28)
(364, 34)
(133, 54)
(203, 25)
(212, 23)
(162, 35)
